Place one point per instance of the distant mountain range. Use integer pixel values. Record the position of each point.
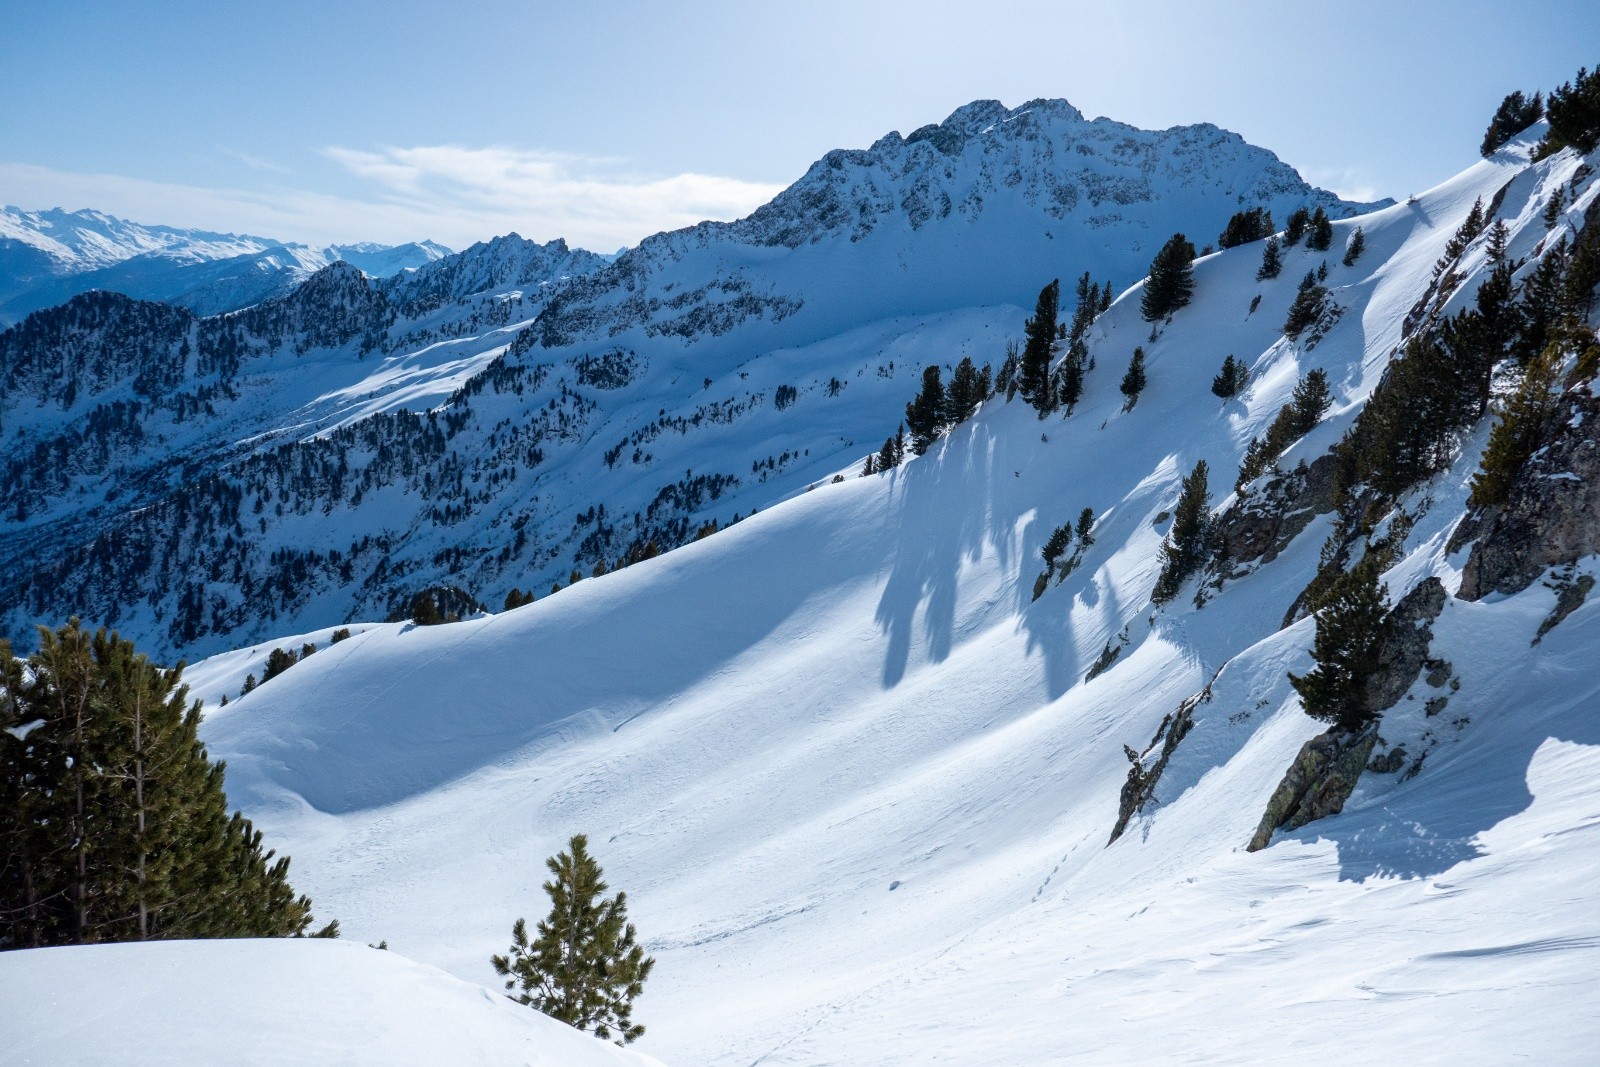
(48, 257)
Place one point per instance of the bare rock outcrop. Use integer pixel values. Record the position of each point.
(1140, 787)
(1326, 770)
(1318, 782)
(1273, 513)
(1552, 516)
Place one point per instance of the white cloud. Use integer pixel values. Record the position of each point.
(590, 201)
(449, 193)
(1345, 181)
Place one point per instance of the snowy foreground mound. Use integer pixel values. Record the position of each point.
(268, 1002)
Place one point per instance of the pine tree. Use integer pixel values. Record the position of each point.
(1085, 527)
(1319, 232)
(925, 415)
(1540, 307)
(966, 392)
(1087, 307)
(1039, 333)
(1465, 234)
(1056, 546)
(1294, 420)
(1573, 112)
(886, 460)
(1185, 547)
(1231, 380)
(1553, 208)
(425, 610)
(1406, 430)
(1271, 260)
(1170, 283)
(115, 826)
(1350, 633)
(1495, 245)
(1306, 308)
(278, 661)
(1518, 434)
(1311, 400)
(1245, 227)
(1071, 374)
(584, 966)
(1515, 114)
(1357, 245)
(1106, 297)
(1133, 382)
(1299, 219)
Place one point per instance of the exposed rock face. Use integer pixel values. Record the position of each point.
(1553, 514)
(1325, 772)
(1409, 628)
(1270, 515)
(1570, 594)
(1318, 783)
(1141, 784)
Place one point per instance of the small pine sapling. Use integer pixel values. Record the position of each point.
(1133, 382)
(1271, 260)
(1357, 245)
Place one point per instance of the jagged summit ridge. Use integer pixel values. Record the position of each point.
(1044, 148)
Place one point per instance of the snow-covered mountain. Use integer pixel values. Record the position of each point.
(859, 781)
(48, 257)
(505, 416)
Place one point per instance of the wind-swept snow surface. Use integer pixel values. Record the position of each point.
(289, 1002)
(858, 790)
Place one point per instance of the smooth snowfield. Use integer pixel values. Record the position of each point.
(287, 1002)
(858, 790)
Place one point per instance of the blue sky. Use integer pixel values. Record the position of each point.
(608, 120)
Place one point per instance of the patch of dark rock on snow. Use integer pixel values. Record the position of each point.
(1140, 787)
(1271, 514)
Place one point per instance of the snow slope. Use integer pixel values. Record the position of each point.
(268, 1002)
(858, 789)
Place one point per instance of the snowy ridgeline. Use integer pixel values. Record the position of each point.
(858, 784)
(504, 416)
(268, 1002)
